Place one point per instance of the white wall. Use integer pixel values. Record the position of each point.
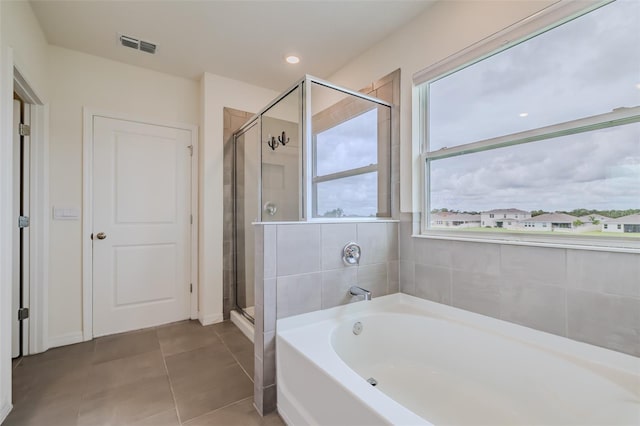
(78, 80)
(22, 44)
(22, 32)
(217, 93)
(442, 30)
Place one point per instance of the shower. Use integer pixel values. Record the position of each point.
(317, 152)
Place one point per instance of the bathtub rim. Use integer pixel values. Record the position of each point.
(531, 337)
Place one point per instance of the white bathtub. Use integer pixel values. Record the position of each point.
(435, 364)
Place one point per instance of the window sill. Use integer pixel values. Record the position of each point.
(564, 242)
(327, 220)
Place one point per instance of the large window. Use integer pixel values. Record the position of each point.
(544, 133)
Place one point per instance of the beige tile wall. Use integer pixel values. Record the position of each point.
(299, 269)
(590, 296)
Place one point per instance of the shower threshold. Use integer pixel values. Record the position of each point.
(243, 323)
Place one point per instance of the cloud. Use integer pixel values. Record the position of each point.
(348, 145)
(586, 67)
(599, 169)
(356, 195)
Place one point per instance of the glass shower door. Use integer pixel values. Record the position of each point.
(247, 211)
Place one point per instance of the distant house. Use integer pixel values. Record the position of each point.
(500, 218)
(455, 220)
(590, 218)
(550, 222)
(630, 223)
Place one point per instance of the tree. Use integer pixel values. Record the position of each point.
(334, 213)
(577, 223)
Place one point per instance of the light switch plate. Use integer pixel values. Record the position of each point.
(66, 213)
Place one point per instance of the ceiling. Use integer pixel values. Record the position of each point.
(243, 40)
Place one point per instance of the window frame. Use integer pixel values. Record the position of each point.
(548, 19)
(356, 171)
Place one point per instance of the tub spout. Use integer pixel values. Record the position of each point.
(359, 291)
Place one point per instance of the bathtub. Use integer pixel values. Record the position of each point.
(435, 364)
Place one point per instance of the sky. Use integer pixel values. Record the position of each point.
(587, 67)
(594, 171)
(349, 145)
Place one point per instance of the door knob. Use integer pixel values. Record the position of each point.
(101, 236)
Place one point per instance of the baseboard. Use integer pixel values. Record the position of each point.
(211, 319)
(65, 339)
(4, 411)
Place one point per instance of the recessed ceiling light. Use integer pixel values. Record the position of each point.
(524, 114)
(638, 86)
(292, 59)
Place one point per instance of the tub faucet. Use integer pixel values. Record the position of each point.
(359, 291)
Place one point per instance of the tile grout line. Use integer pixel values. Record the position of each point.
(90, 367)
(234, 357)
(219, 408)
(166, 369)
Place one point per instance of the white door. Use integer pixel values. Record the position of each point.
(141, 225)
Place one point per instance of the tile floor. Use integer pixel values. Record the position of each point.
(177, 374)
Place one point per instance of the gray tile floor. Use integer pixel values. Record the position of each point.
(177, 374)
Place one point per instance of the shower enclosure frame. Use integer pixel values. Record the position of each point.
(305, 163)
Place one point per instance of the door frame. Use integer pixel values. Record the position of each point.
(13, 79)
(87, 209)
(36, 290)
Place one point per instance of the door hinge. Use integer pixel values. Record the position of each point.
(23, 221)
(23, 314)
(190, 150)
(190, 288)
(192, 219)
(24, 129)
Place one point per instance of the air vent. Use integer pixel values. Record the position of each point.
(129, 42)
(145, 46)
(134, 43)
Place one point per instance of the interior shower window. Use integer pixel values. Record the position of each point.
(346, 166)
(542, 136)
(349, 196)
(348, 145)
(351, 157)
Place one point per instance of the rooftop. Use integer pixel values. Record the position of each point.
(456, 217)
(632, 219)
(507, 211)
(553, 217)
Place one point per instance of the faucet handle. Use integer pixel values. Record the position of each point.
(351, 254)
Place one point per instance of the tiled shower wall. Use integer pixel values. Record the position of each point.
(302, 271)
(233, 120)
(589, 296)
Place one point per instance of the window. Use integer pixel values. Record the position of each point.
(548, 125)
(351, 156)
(619, 226)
